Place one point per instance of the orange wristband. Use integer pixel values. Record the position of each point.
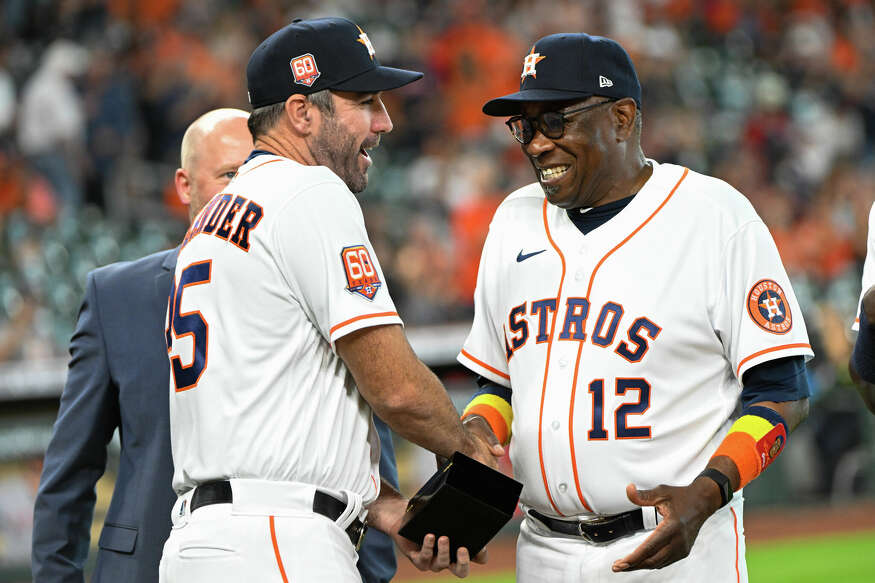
(496, 411)
(752, 443)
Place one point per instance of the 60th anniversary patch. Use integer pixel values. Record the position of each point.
(361, 276)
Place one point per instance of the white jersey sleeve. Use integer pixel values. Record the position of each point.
(324, 253)
(868, 266)
(482, 351)
(757, 316)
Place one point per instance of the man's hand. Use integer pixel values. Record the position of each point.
(486, 447)
(386, 514)
(684, 510)
(479, 434)
(425, 559)
(478, 426)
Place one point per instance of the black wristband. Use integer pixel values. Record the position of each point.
(722, 481)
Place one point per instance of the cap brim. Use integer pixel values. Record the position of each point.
(512, 104)
(378, 79)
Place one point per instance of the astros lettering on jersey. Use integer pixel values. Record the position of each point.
(257, 390)
(624, 348)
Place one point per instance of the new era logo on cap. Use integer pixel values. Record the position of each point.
(605, 82)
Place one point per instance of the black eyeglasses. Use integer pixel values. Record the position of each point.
(549, 123)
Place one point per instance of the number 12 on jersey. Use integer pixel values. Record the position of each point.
(191, 324)
(621, 425)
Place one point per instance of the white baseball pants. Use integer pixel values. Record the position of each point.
(717, 555)
(269, 533)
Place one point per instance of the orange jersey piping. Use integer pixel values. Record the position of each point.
(357, 318)
(547, 362)
(492, 369)
(772, 349)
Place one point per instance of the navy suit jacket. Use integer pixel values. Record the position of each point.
(119, 378)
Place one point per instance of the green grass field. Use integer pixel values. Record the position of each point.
(845, 558)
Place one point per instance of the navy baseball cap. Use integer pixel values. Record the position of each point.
(571, 66)
(311, 55)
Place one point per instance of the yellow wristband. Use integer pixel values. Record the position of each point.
(496, 411)
(753, 442)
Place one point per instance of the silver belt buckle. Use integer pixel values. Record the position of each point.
(582, 532)
(361, 536)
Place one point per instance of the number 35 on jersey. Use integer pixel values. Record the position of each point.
(188, 324)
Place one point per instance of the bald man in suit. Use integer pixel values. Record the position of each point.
(118, 379)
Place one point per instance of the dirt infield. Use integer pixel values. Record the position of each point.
(767, 525)
(760, 526)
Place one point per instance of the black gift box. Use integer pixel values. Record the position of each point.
(467, 501)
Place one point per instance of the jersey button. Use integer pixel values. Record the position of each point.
(563, 487)
(582, 250)
(555, 425)
(563, 362)
(579, 276)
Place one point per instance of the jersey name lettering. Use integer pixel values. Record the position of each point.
(633, 346)
(226, 214)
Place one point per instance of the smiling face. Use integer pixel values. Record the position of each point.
(345, 135)
(577, 169)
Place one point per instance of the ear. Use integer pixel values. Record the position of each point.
(624, 118)
(301, 114)
(183, 186)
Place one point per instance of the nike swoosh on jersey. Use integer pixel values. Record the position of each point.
(522, 257)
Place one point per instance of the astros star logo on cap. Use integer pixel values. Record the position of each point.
(363, 38)
(529, 63)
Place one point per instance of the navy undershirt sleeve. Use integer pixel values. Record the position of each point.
(779, 380)
(488, 387)
(863, 357)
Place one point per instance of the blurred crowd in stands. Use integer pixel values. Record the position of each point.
(777, 97)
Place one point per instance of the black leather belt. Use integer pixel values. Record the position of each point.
(599, 530)
(219, 492)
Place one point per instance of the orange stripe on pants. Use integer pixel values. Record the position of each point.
(276, 551)
(735, 527)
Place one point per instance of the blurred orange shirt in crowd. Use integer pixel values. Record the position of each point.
(11, 188)
(470, 223)
(187, 55)
(143, 11)
(474, 62)
(813, 247)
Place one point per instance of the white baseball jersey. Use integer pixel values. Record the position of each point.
(624, 347)
(272, 272)
(868, 265)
